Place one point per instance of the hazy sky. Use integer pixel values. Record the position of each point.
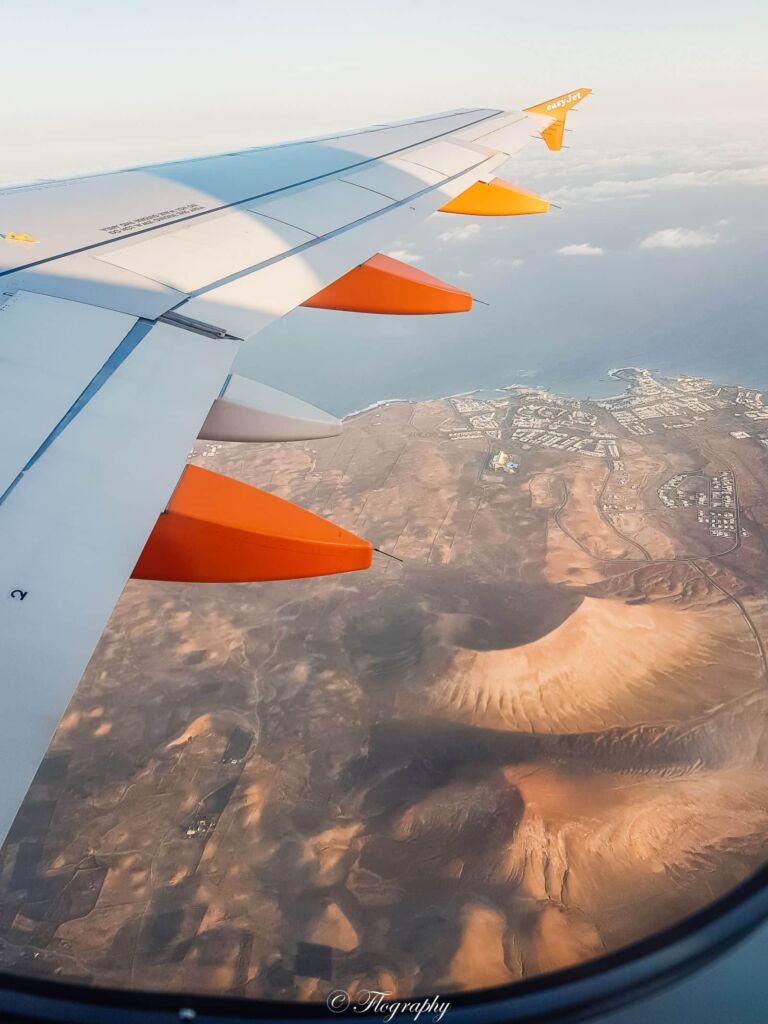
(657, 256)
(96, 83)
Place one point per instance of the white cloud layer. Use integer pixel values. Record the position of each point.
(462, 233)
(405, 255)
(616, 188)
(580, 249)
(680, 238)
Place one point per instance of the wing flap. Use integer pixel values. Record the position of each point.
(48, 351)
(73, 528)
(247, 410)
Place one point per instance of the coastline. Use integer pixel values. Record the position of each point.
(465, 394)
(614, 373)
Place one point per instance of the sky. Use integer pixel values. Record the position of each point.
(655, 257)
(104, 83)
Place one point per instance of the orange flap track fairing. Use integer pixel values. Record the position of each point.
(220, 530)
(385, 285)
(496, 198)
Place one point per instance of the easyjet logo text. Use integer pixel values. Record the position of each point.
(564, 101)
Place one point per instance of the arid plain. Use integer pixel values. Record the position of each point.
(535, 735)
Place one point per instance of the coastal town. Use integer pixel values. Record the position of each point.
(519, 420)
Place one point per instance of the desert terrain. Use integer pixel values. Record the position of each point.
(534, 735)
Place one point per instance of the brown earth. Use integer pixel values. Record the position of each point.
(525, 745)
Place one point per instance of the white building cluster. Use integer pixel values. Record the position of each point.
(715, 508)
(690, 399)
(723, 520)
(675, 496)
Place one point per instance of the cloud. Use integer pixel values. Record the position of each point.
(680, 238)
(672, 182)
(464, 273)
(405, 255)
(460, 234)
(505, 261)
(580, 249)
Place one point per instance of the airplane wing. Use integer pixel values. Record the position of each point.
(124, 298)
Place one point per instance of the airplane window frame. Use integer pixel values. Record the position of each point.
(579, 992)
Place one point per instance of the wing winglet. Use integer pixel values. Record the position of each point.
(557, 108)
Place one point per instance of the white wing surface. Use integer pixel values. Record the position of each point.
(124, 298)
